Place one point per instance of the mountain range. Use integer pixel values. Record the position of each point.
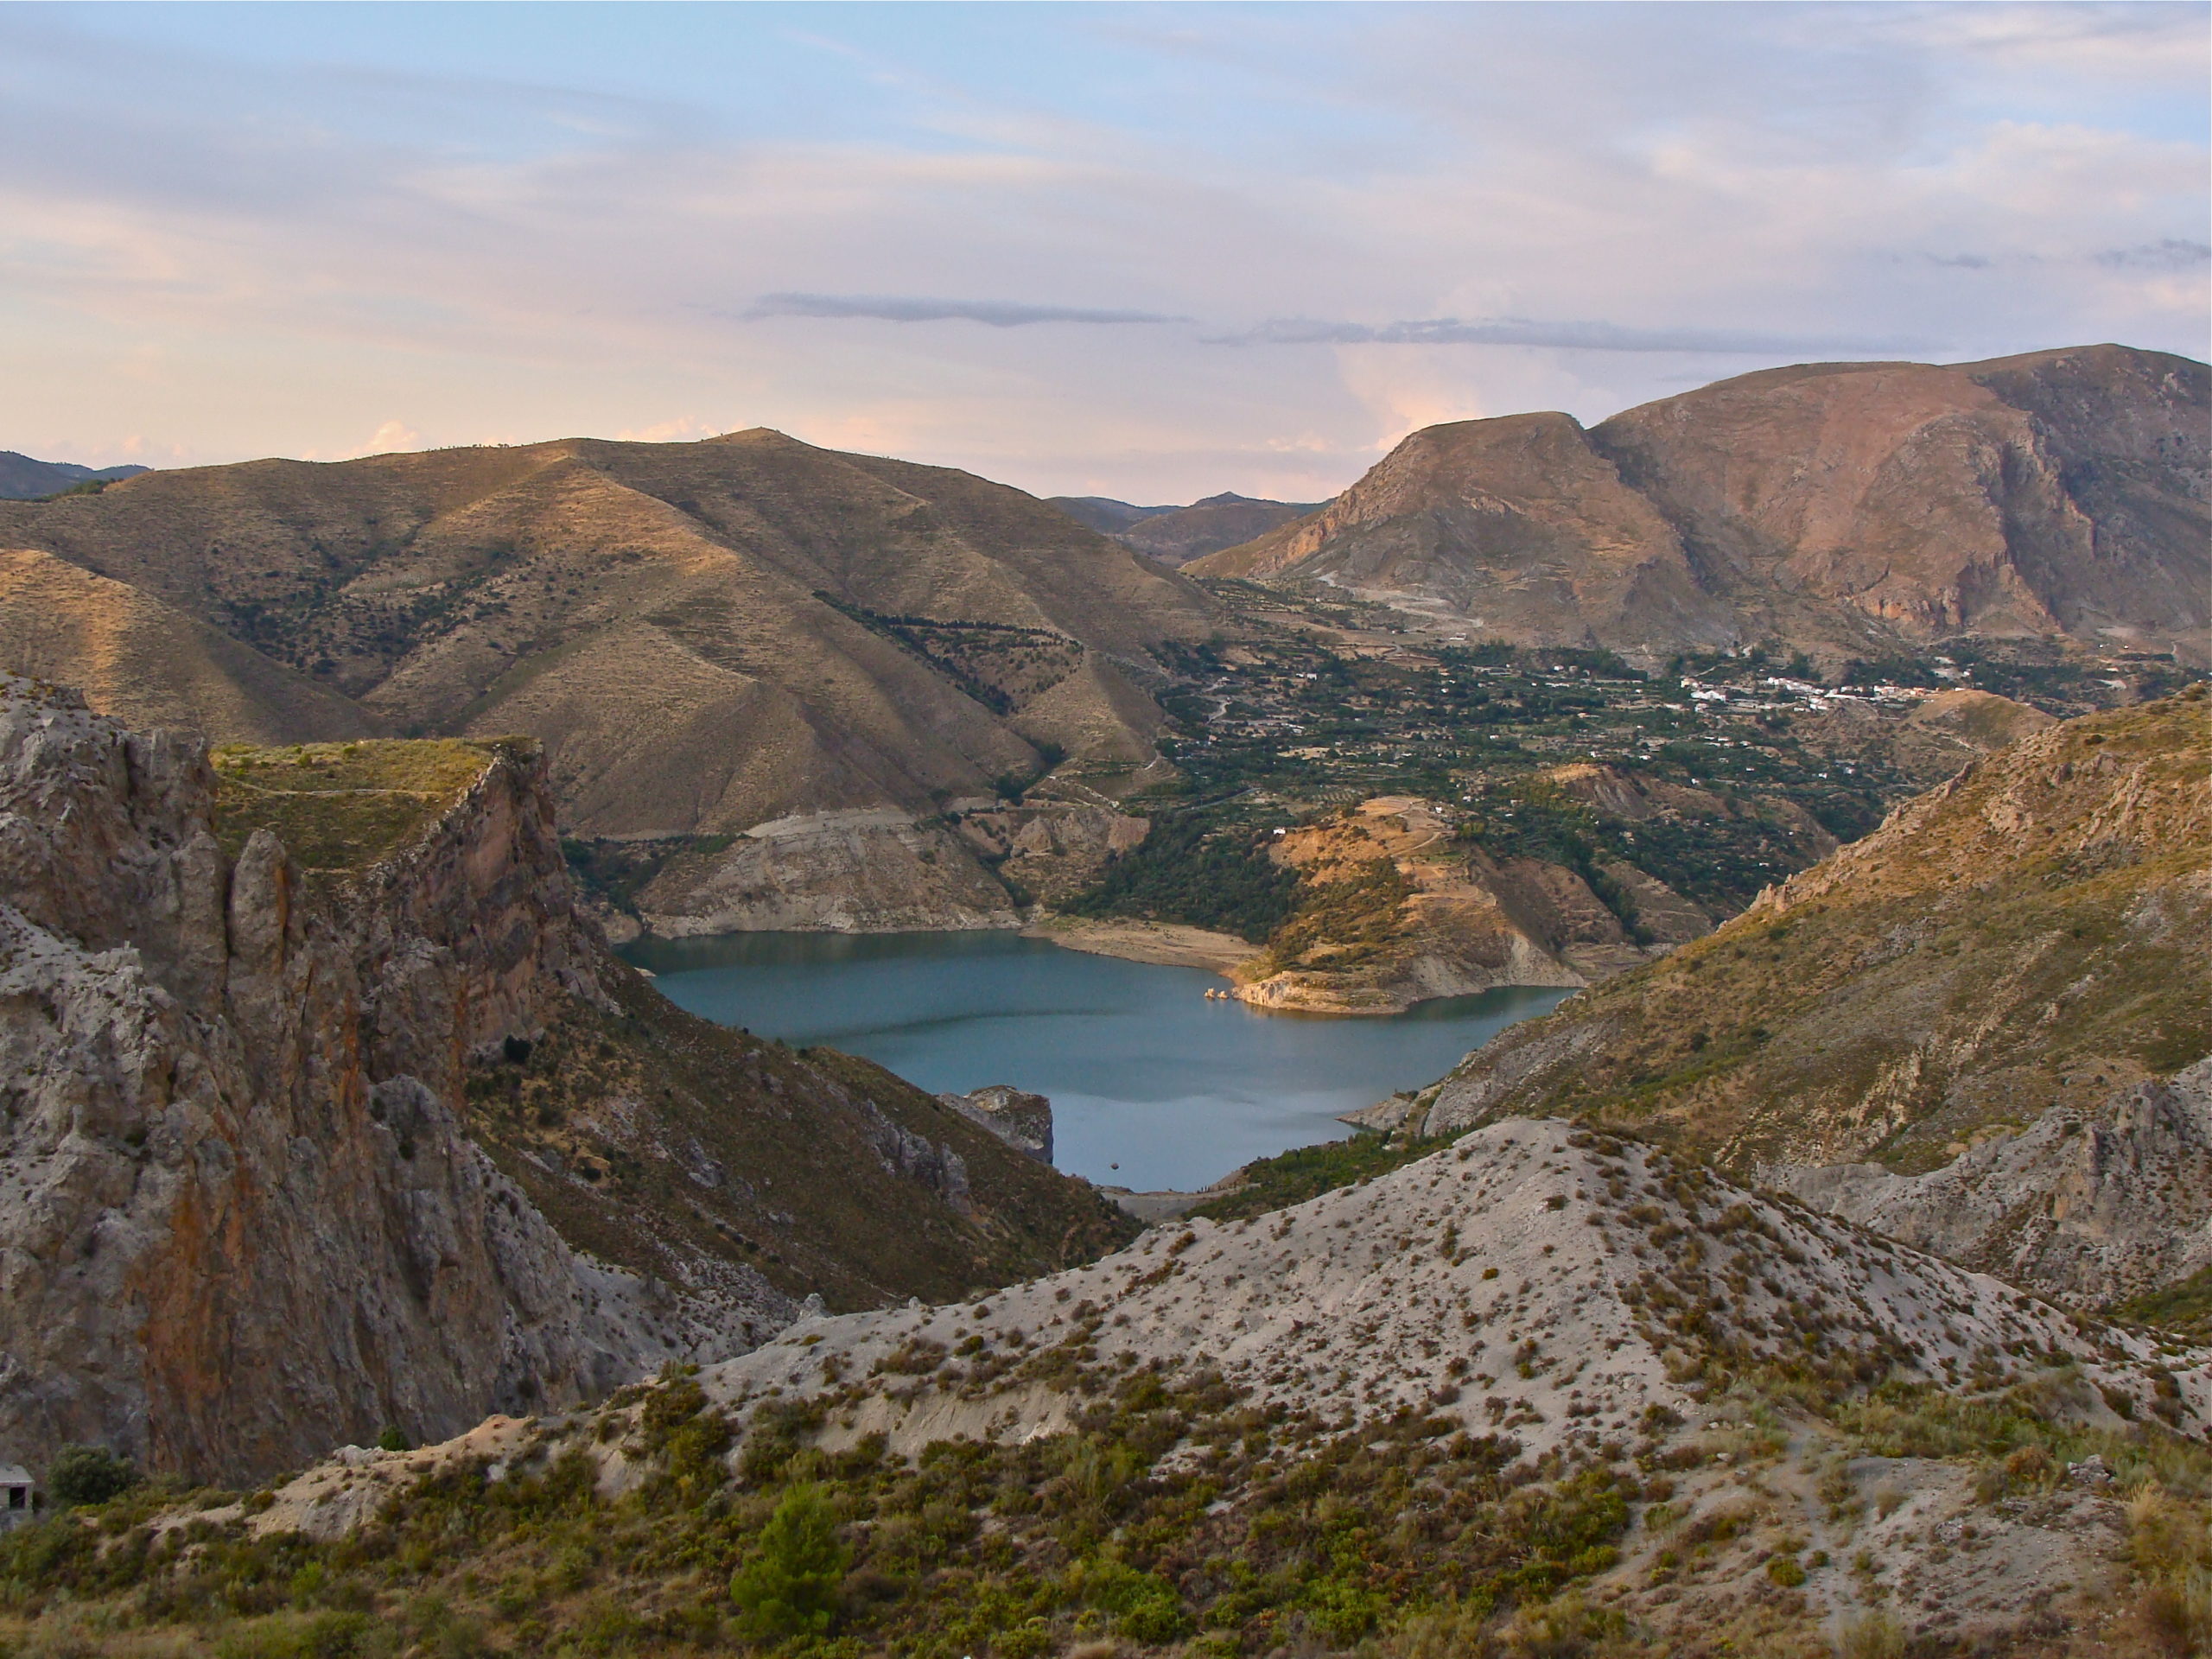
(1848, 510)
(1176, 536)
(704, 635)
(22, 479)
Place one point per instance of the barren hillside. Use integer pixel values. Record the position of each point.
(1843, 509)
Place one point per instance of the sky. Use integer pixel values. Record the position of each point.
(1147, 251)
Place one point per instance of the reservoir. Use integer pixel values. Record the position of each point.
(1142, 1070)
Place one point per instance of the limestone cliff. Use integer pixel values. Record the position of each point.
(239, 1218)
(322, 1109)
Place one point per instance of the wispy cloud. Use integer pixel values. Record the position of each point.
(908, 307)
(2171, 254)
(1562, 336)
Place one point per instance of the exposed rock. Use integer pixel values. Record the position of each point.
(875, 871)
(1456, 921)
(239, 1217)
(1048, 849)
(2090, 1208)
(1024, 1122)
(297, 1147)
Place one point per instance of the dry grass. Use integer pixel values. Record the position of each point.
(340, 808)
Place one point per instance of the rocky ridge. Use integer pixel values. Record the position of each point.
(1848, 510)
(297, 1149)
(1578, 1307)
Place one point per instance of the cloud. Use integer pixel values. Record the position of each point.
(1563, 336)
(2171, 254)
(906, 307)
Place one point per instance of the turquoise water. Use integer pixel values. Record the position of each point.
(1143, 1071)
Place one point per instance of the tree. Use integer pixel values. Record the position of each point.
(790, 1586)
(87, 1474)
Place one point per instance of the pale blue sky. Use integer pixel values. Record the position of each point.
(1151, 252)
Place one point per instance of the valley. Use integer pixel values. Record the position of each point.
(576, 1020)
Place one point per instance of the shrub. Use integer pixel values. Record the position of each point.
(1874, 1634)
(87, 1474)
(790, 1586)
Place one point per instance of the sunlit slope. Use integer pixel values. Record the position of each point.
(2036, 931)
(150, 665)
(1842, 508)
(705, 634)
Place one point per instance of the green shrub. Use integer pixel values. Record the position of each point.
(87, 1474)
(790, 1586)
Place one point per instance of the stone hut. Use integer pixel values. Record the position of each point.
(15, 1481)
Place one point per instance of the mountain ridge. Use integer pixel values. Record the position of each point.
(1843, 509)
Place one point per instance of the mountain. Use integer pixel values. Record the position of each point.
(151, 665)
(1176, 536)
(1545, 1392)
(705, 635)
(326, 1111)
(2023, 945)
(1844, 509)
(22, 479)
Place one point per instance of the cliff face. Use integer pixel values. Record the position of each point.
(2088, 1207)
(2009, 954)
(1842, 508)
(241, 1221)
(298, 1144)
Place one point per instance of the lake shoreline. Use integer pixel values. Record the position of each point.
(1166, 944)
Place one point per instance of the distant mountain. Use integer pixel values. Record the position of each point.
(706, 635)
(1177, 535)
(1846, 509)
(22, 479)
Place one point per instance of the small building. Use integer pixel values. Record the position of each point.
(15, 1481)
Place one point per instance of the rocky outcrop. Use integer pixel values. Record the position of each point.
(322, 1110)
(240, 1217)
(1047, 849)
(1023, 1121)
(1448, 918)
(869, 870)
(2087, 1207)
(1842, 508)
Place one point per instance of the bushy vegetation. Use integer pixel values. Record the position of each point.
(1304, 1173)
(1194, 869)
(1008, 1551)
(998, 664)
(87, 1474)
